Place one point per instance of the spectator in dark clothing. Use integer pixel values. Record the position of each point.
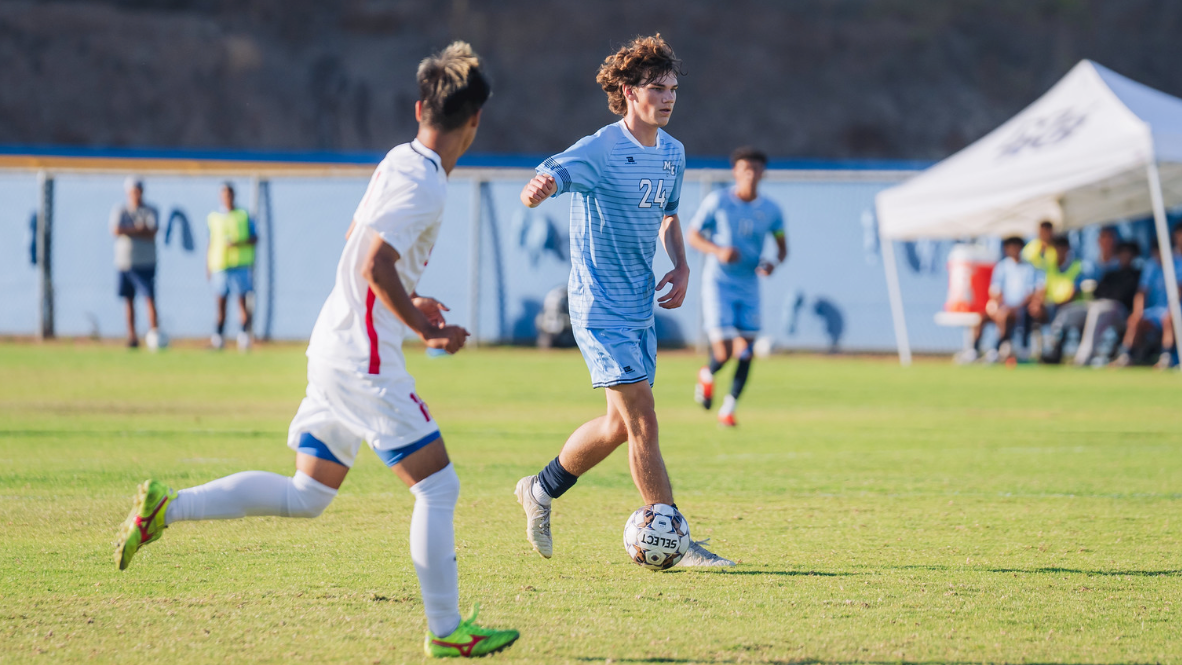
(1114, 300)
(1150, 316)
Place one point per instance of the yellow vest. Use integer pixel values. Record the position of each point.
(1040, 255)
(226, 228)
(1061, 283)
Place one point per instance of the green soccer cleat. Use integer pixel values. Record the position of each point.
(469, 640)
(146, 521)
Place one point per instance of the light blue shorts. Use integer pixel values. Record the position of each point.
(616, 356)
(240, 279)
(1156, 315)
(728, 313)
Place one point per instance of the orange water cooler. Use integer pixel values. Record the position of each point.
(970, 268)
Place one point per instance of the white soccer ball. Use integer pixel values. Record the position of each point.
(656, 536)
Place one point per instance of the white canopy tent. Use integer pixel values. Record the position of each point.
(1096, 148)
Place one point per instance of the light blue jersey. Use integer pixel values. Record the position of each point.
(622, 190)
(1153, 282)
(1014, 281)
(729, 221)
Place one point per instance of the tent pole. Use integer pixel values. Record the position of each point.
(474, 254)
(44, 246)
(891, 267)
(1163, 241)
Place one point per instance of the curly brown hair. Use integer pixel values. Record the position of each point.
(643, 60)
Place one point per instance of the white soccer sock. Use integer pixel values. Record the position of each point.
(728, 406)
(540, 494)
(433, 548)
(251, 493)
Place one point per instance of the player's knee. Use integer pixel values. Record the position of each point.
(307, 497)
(643, 428)
(441, 488)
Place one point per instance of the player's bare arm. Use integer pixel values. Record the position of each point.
(678, 278)
(432, 308)
(537, 190)
(767, 267)
(133, 232)
(705, 246)
(380, 271)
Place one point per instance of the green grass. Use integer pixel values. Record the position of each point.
(930, 514)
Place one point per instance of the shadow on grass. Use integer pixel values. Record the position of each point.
(1053, 571)
(810, 661)
(729, 571)
(790, 573)
(1073, 571)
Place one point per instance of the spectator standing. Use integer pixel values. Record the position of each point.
(134, 225)
(1040, 252)
(230, 266)
(1114, 300)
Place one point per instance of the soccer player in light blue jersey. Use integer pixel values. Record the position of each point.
(626, 184)
(730, 228)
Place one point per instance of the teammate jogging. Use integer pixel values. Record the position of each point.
(626, 182)
(730, 229)
(358, 386)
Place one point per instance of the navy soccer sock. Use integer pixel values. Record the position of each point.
(555, 479)
(741, 373)
(715, 364)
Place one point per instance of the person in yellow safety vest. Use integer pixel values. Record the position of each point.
(1059, 299)
(1040, 252)
(230, 264)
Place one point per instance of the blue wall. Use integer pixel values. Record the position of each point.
(831, 290)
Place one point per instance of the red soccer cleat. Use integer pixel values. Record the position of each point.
(704, 391)
(727, 420)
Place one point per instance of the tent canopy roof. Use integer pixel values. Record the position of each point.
(1077, 156)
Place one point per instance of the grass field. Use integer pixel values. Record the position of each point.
(930, 514)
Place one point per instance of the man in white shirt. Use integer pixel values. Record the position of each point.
(358, 386)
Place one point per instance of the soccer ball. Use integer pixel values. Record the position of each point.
(656, 536)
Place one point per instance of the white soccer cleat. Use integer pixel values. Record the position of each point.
(153, 340)
(537, 517)
(966, 357)
(216, 341)
(243, 342)
(700, 557)
(1005, 351)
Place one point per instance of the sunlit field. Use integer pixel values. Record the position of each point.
(879, 514)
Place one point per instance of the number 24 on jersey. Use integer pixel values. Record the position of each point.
(662, 194)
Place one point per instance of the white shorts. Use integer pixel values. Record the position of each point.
(345, 407)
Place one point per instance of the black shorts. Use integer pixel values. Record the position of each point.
(137, 280)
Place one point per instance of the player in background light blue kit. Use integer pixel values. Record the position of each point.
(730, 228)
(626, 185)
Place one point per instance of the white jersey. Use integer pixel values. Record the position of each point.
(403, 205)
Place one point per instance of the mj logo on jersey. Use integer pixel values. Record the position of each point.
(670, 167)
